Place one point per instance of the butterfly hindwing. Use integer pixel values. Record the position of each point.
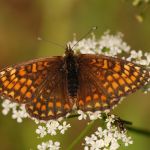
(52, 101)
(91, 96)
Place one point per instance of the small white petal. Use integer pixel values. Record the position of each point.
(41, 131)
(82, 115)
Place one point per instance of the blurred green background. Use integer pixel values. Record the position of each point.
(20, 23)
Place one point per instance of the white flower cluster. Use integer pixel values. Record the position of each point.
(108, 44)
(52, 128)
(91, 115)
(49, 145)
(139, 57)
(18, 111)
(113, 44)
(107, 139)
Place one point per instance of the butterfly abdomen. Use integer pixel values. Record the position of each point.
(72, 76)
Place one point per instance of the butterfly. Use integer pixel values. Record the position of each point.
(52, 87)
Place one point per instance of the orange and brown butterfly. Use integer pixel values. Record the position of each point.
(52, 87)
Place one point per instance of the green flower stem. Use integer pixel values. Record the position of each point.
(138, 131)
(83, 133)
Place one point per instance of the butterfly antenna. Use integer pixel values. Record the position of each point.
(52, 42)
(91, 30)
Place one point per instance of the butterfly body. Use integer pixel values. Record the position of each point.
(71, 68)
(52, 87)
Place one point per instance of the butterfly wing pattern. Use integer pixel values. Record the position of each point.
(52, 87)
(105, 80)
(33, 83)
(52, 100)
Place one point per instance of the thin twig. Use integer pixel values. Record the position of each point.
(73, 116)
(126, 122)
(138, 130)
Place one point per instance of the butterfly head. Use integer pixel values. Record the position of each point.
(69, 51)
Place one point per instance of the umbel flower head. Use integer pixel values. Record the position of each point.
(108, 136)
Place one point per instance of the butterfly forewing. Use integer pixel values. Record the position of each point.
(20, 83)
(112, 78)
